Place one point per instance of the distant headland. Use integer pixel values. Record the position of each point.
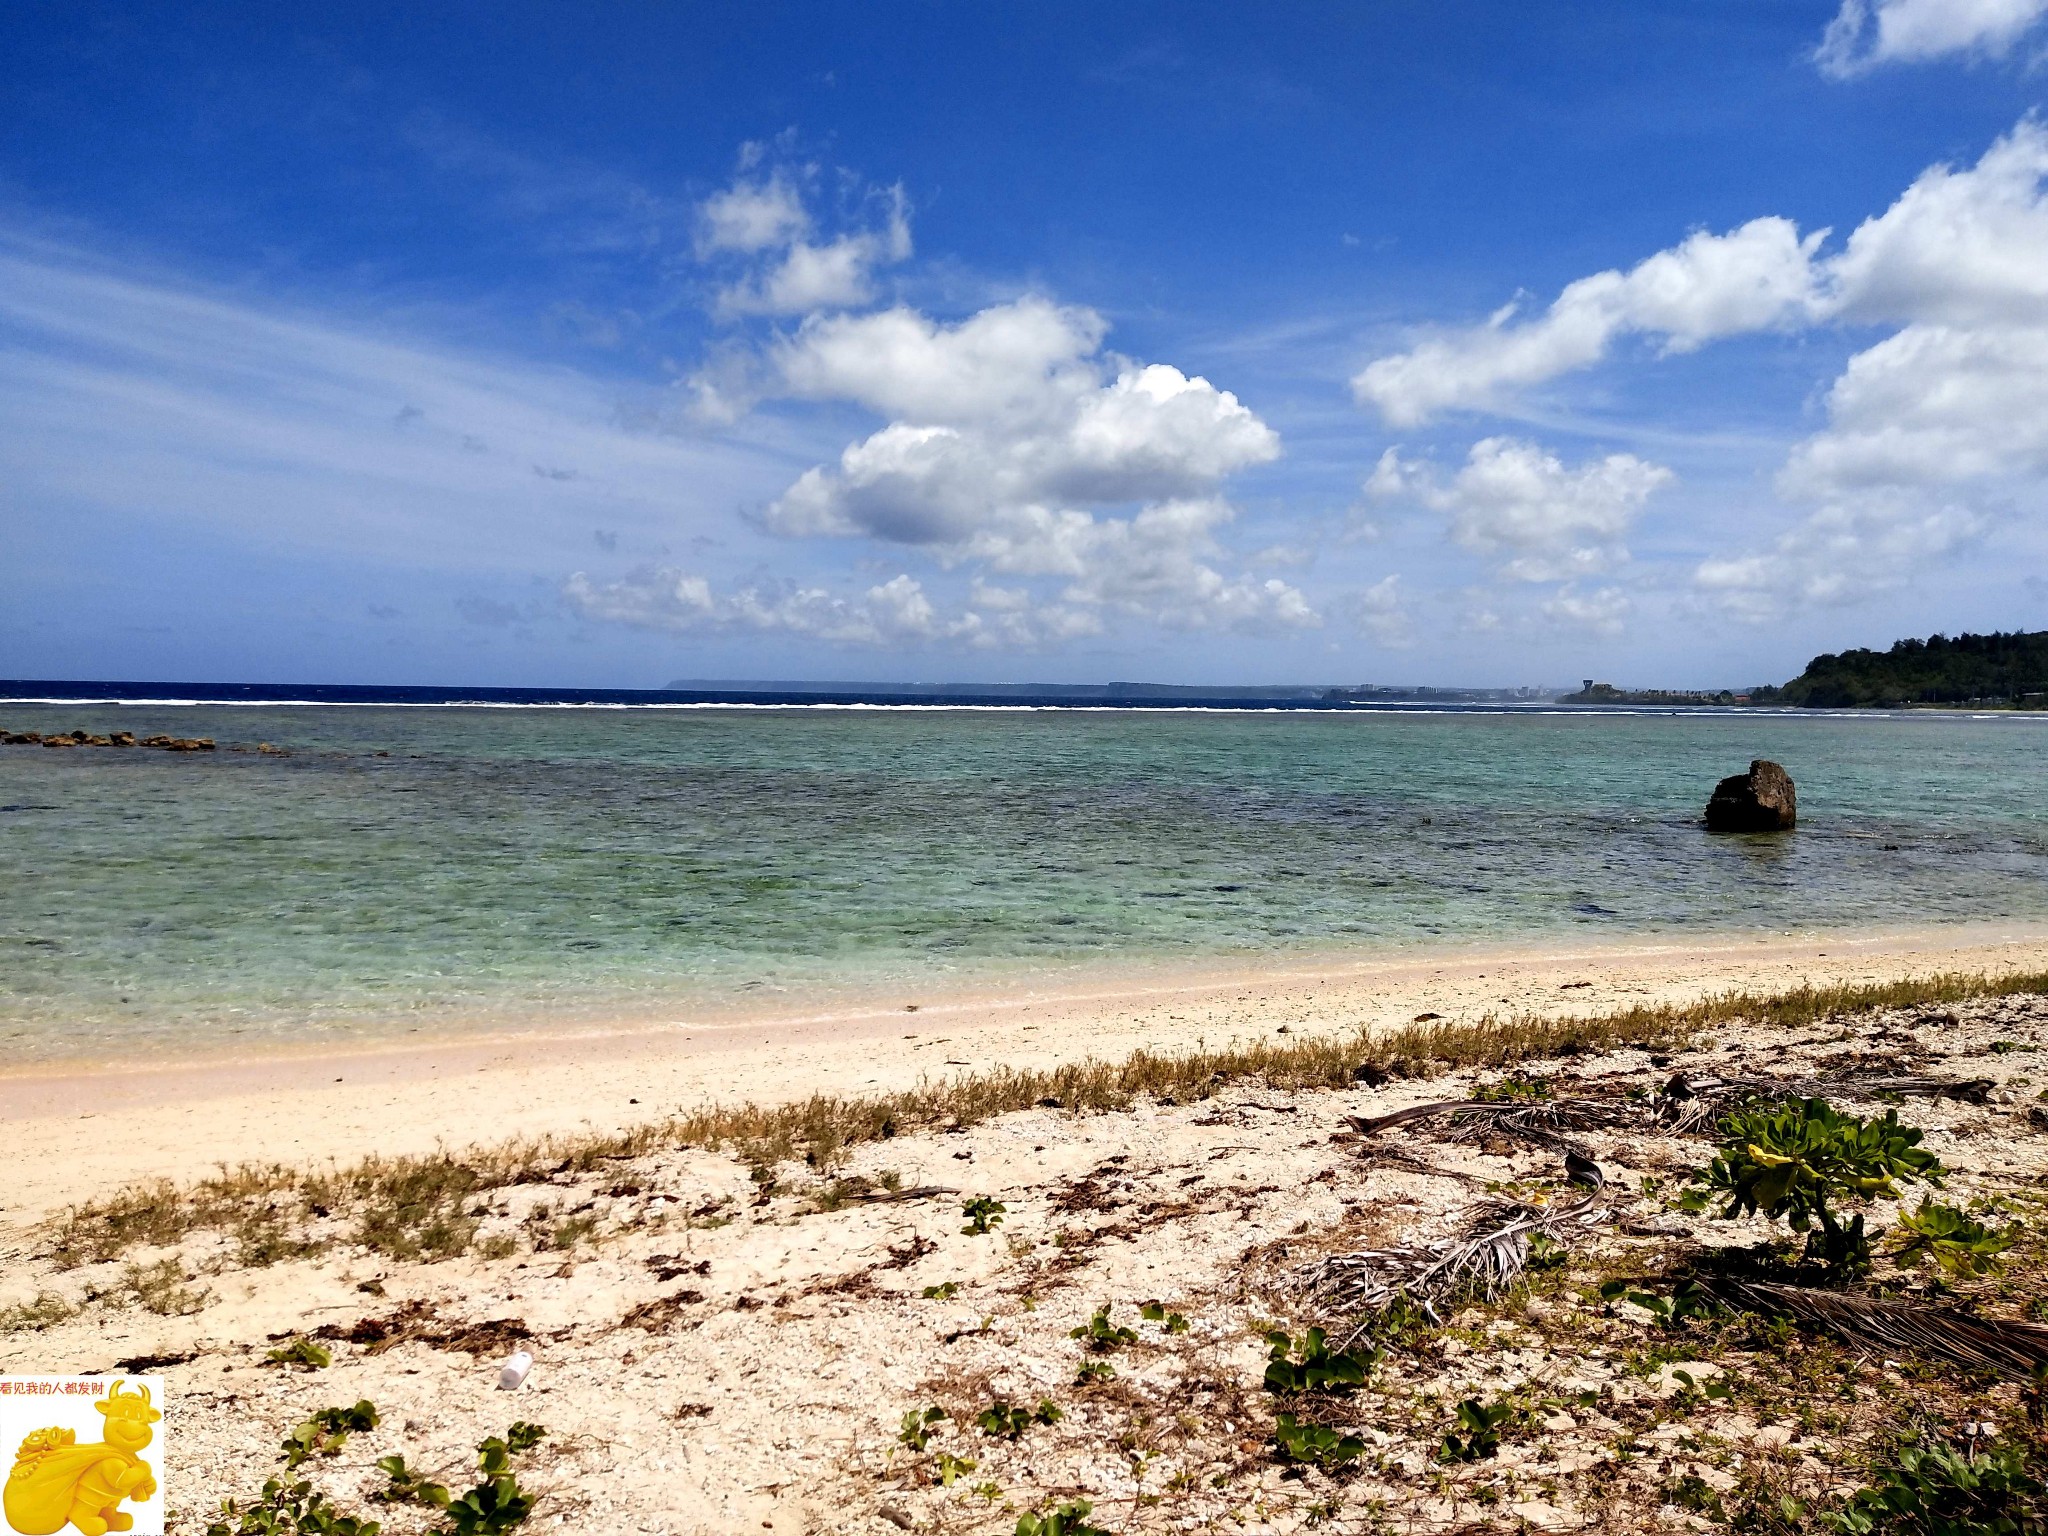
(1994, 671)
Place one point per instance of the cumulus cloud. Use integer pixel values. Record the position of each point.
(1524, 508)
(1928, 430)
(1708, 286)
(895, 614)
(1603, 610)
(1931, 431)
(1863, 36)
(751, 216)
(783, 270)
(1013, 436)
(1839, 555)
(1380, 612)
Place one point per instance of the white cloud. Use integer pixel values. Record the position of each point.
(1841, 554)
(895, 614)
(1929, 430)
(784, 271)
(751, 216)
(129, 398)
(1014, 434)
(1903, 31)
(1379, 611)
(1521, 506)
(1706, 287)
(1603, 610)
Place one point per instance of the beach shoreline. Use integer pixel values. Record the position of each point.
(83, 1129)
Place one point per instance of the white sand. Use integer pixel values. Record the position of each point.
(80, 1130)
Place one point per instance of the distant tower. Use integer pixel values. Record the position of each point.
(1589, 686)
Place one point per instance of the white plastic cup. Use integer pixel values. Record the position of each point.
(512, 1376)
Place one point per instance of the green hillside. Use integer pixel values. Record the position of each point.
(1963, 669)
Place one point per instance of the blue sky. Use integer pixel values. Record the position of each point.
(1447, 343)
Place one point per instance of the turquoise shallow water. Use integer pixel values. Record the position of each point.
(536, 861)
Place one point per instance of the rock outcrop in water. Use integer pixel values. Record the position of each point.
(1761, 800)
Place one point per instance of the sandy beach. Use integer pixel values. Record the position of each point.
(729, 1339)
(86, 1128)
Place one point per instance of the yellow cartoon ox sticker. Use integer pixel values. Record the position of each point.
(56, 1481)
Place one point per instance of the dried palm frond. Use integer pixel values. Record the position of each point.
(1696, 1103)
(1485, 1257)
(2018, 1350)
(1544, 1122)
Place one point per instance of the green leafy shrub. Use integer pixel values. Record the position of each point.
(1800, 1160)
(1688, 1299)
(288, 1509)
(983, 1215)
(1006, 1422)
(1315, 1444)
(952, 1468)
(406, 1486)
(1094, 1371)
(301, 1354)
(1939, 1491)
(1100, 1334)
(1959, 1244)
(1312, 1366)
(1481, 1437)
(497, 1503)
(945, 1290)
(917, 1427)
(326, 1432)
(1070, 1519)
(1155, 1312)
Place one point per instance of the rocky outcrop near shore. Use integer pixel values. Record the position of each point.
(116, 739)
(1761, 800)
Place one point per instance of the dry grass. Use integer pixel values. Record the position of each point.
(414, 1207)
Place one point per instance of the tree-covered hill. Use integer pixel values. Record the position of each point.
(1963, 669)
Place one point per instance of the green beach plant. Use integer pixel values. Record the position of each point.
(916, 1431)
(1004, 1421)
(1070, 1519)
(1480, 1424)
(1936, 1490)
(300, 1354)
(1315, 1444)
(1959, 1244)
(1102, 1335)
(1312, 1366)
(325, 1432)
(983, 1215)
(1800, 1161)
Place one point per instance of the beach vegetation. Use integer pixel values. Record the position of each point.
(1156, 1312)
(1006, 1421)
(1069, 1519)
(45, 1309)
(952, 1468)
(1313, 1444)
(983, 1215)
(917, 1427)
(1476, 1436)
(1803, 1160)
(945, 1290)
(161, 1288)
(301, 1354)
(325, 1432)
(1310, 1365)
(289, 1509)
(1959, 1244)
(1102, 1335)
(1935, 1489)
(409, 1207)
